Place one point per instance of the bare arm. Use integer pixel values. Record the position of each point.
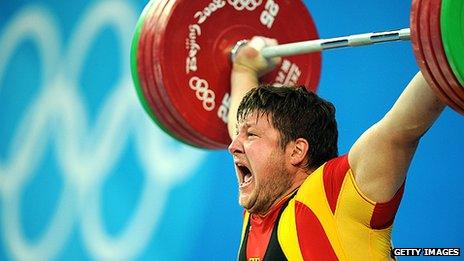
(247, 67)
(381, 157)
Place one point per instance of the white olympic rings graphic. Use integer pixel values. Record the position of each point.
(85, 155)
(203, 93)
(250, 5)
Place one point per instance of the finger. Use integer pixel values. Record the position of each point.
(258, 43)
(271, 41)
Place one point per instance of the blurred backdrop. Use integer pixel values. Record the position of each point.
(85, 174)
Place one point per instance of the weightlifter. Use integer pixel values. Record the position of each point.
(302, 201)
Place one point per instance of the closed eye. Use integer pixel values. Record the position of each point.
(251, 134)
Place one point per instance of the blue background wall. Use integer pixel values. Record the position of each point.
(85, 174)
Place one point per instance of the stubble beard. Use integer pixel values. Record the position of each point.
(269, 190)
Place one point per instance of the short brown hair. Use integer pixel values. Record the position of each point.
(296, 113)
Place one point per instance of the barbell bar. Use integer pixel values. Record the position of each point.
(305, 47)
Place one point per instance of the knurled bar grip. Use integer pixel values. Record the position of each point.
(339, 42)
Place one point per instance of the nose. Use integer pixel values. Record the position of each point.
(236, 146)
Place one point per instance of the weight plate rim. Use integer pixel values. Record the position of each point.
(417, 47)
(162, 30)
(172, 122)
(170, 129)
(453, 38)
(191, 135)
(135, 69)
(144, 95)
(430, 57)
(439, 52)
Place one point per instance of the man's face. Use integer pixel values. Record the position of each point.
(260, 163)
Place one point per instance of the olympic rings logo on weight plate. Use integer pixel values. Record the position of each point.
(250, 5)
(85, 154)
(203, 93)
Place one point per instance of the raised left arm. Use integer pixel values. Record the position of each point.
(249, 64)
(381, 157)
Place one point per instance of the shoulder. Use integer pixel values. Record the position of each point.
(330, 174)
(325, 183)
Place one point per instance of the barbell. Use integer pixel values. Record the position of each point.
(180, 56)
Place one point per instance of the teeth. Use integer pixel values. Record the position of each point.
(245, 173)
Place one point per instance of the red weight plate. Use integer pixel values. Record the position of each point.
(202, 141)
(195, 38)
(437, 47)
(142, 74)
(135, 60)
(146, 78)
(175, 123)
(417, 47)
(155, 101)
(148, 81)
(425, 38)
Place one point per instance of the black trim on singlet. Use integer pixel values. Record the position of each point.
(274, 250)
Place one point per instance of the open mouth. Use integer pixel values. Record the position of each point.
(245, 175)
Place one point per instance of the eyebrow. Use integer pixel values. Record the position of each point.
(246, 125)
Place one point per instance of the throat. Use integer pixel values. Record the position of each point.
(261, 229)
(276, 206)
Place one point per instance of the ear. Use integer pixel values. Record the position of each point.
(299, 151)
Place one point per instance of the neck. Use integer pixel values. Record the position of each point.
(300, 177)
